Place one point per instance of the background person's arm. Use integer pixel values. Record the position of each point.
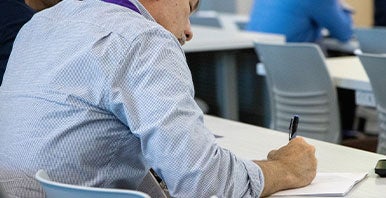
(331, 15)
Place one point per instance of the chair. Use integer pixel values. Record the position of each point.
(371, 40)
(206, 18)
(375, 67)
(60, 190)
(299, 83)
(241, 24)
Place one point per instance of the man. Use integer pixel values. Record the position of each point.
(13, 15)
(102, 93)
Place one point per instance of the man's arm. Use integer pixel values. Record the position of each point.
(291, 166)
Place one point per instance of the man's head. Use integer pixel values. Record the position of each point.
(39, 5)
(173, 15)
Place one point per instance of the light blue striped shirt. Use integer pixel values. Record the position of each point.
(96, 94)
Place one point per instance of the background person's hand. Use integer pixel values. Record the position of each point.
(346, 6)
(291, 166)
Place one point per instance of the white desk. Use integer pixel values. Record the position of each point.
(348, 73)
(252, 142)
(336, 45)
(224, 43)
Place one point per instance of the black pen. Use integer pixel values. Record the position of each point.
(293, 127)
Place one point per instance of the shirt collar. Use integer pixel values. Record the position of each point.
(124, 3)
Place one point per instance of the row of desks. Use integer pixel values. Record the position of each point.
(347, 72)
(224, 43)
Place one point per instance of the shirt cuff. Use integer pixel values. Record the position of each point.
(256, 177)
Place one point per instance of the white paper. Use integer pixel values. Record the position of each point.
(327, 185)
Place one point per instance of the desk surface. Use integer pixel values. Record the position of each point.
(348, 72)
(215, 39)
(250, 142)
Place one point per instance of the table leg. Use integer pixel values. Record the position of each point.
(226, 79)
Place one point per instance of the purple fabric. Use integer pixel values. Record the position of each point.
(125, 3)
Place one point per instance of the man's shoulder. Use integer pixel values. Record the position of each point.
(102, 16)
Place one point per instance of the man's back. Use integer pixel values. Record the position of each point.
(59, 114)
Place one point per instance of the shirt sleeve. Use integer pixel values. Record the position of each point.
(154, 96)
(332, 16)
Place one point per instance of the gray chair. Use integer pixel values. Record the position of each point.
(299, 83)
(206, 18)
(371, 40)
(228, 6)
(60, 190)
(375, 66)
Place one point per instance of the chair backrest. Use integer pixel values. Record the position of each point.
(1, 194)
(299, 83)
(206, 18)
(375, 67)
(60, 190)
(371, 40)
(227, 6)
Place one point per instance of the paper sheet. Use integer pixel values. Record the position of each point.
(327, 185)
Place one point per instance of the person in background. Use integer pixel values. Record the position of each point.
(105, 94)
(13, 15)
(302, 20)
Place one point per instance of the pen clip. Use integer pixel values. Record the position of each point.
(293, 126)
(290, 129)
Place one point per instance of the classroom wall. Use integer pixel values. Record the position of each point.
(364, 10)
(244, 6)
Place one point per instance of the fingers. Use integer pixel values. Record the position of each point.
(301, 142)
(296, 149)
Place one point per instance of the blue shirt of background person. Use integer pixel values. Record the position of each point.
(13, 15)
(301, 20)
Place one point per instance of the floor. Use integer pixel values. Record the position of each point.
(365, 142)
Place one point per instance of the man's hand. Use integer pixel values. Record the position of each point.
(291, 166)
